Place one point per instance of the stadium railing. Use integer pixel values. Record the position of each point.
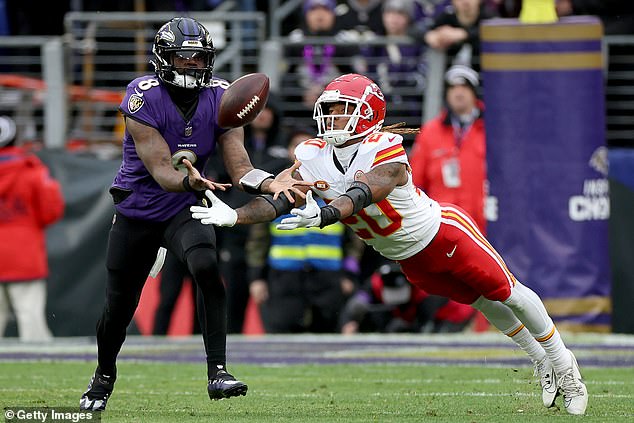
(27, 65)
(67, 88)
(418, 99)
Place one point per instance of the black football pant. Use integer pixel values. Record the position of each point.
(132, 248)
(233, 265)
(172, 281)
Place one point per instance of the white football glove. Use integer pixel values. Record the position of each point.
(307, 217)
(218, 213)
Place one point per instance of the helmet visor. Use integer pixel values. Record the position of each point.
(203, 58)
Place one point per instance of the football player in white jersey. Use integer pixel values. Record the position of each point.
(364, 177)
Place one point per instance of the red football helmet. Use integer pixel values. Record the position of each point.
(364, 108)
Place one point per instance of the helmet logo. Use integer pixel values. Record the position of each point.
(377, 91)
(167, 35)
(135, 102)
(192, 43)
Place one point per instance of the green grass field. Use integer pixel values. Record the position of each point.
(176, 392)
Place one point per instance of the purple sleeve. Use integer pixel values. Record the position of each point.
(135, 104)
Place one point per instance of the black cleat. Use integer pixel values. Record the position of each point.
(224, 385)
(96, 396)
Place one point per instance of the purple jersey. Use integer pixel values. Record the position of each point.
(147, 101)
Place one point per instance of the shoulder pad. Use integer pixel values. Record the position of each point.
(309, 149)
(379, 141)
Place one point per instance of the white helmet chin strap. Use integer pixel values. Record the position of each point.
(185, 81)
(336, 137)
(188, 79)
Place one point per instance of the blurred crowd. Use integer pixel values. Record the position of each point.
(325, 280)
(386, 40)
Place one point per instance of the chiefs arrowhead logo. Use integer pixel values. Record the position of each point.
(322, 185)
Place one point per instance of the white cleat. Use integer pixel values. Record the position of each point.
(548, 381)
(574, 390)
(91, 405)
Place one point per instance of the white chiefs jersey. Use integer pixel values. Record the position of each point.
(399, 226)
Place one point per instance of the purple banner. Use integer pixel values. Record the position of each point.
(547, 159)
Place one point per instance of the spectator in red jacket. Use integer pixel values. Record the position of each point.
(448, 157)
(30, 200)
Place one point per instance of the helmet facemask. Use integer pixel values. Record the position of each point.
(173, 41)
(354, 109)
(185, 76)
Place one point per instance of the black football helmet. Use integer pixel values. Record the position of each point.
(186, 38)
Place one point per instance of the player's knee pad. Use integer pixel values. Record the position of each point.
(202, 262)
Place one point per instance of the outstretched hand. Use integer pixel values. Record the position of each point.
(307, 217)
(285, 183)
(218, 213)
(198, 183)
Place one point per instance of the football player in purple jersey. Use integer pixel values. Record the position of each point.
(171, 130)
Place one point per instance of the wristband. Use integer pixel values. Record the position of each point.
(329, 215)
(360, 195)
(252, 181)
(281, 204)
(186, 185)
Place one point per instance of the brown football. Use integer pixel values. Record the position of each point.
(243, 100)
